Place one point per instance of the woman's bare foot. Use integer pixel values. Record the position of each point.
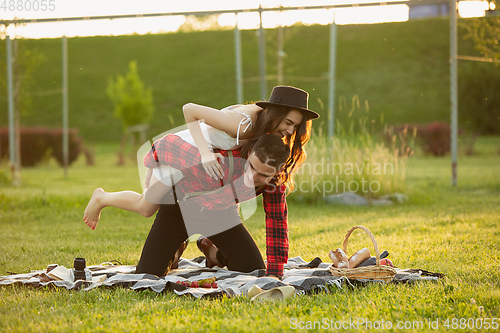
(93, 211)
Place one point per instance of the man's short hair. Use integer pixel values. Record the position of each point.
(270, 149)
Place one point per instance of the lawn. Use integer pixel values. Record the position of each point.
(450, 230)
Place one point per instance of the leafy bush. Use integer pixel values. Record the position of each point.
(38, 142)
(74, 145)
(434, 138)
(34, 144)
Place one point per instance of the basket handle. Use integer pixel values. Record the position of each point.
(346, 240)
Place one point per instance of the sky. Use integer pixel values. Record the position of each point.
(77, 8)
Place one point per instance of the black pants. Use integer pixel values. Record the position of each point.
(237, 249)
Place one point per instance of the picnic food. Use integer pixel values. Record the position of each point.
(386, 262)
(339, 258)
(373, 260)
(209, 281)
(205, 283)
(358, 257)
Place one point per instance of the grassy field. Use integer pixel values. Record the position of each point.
(450, 230)
(401, 69)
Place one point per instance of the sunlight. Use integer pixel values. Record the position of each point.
(378, 14)
(115, 27)
(472, 8)
(250, 20)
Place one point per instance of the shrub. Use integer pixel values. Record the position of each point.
(74, 145)
(34, 144)
(37, 143)
(434, 138)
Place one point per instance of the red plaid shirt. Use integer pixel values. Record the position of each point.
(177, 153)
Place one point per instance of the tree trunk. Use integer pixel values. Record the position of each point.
(121, 153)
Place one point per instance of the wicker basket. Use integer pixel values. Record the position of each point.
(377, 272)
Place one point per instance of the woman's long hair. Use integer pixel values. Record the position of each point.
(266, 123)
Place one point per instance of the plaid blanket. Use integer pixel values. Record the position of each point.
(305, 277)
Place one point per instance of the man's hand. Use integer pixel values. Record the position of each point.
(149, 173)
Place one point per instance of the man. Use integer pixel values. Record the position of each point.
(204, 205)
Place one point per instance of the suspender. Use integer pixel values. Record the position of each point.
(231, 171)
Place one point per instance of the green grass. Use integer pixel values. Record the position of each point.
(451, 230)
(401, 69)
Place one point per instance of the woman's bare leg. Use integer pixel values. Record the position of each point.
(127, 200)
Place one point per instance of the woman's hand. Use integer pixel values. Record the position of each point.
(212, 166)
(149, 173)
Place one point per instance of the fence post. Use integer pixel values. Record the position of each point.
(453, 90)
(262, 58)
(331, 77)
(13, 157)
(281, 54)
(239, 62)
(65, 104)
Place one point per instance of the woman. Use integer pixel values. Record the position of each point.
(223, 129)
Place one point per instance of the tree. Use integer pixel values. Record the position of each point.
(485, 33)
(133, 102)
(479, 83)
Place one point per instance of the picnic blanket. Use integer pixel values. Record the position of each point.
(305, 277)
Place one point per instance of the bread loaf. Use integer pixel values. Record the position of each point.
(339, 258)
(358, 257)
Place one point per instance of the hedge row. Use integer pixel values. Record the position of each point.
(38, 143)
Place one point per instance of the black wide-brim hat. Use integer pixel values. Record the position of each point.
(291, 97)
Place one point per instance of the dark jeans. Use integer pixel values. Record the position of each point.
(237, 249)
